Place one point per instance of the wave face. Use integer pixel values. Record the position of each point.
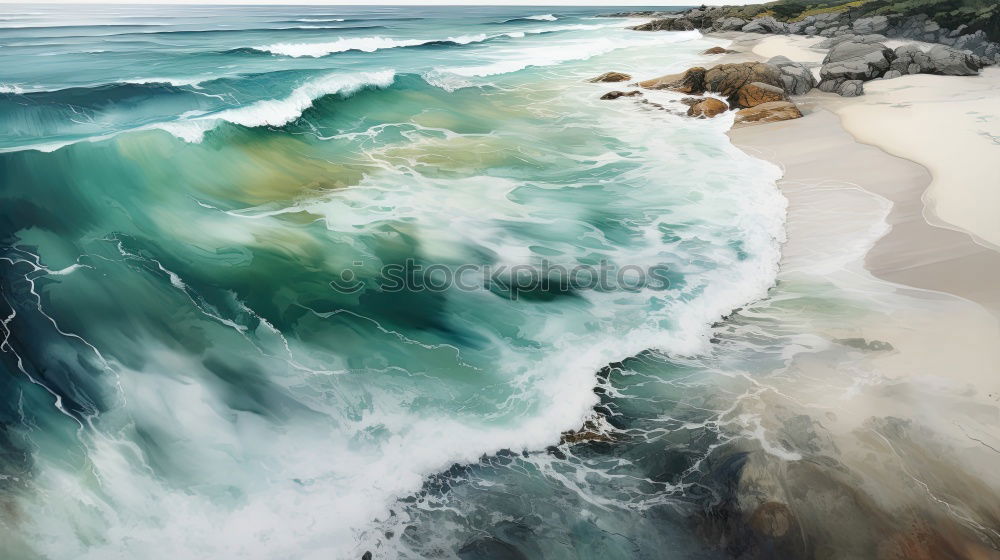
(205, 352)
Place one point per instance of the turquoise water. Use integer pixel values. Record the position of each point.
(203, 358)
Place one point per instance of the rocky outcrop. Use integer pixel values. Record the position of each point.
(666, 24)
(616, 94)
(729, 24)
(611, 77)
(707, 108)
(834, 41)
(856, 61)
(767, 112)
(869, 25)
(757, 93)
(765, 24)
(724, 79)
(797, 79)
(910, 59)
(953, 62)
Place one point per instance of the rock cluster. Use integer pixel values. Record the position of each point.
(850, 63)
(858, 24)
(666, 24)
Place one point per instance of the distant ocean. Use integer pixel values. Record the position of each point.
(202, 359)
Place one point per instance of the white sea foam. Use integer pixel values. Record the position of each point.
(364, 44)
(278, 112)
(319, 20)
(176, 82)
(11, 88)
(543, 17)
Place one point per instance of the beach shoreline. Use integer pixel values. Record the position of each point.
(921, 249)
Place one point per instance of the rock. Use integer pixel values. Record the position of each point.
(708, 108)
(756, 93)
(874, 24)
(851, 88)
(666, 24)
(910, 60)
(796, 78)
(727, 79)
(730, 24)
(765, 24)
(717, 50)
(611, 77)
(856, 61)
(617, 94)
(691, 81)
(830, 86)
(367, 555)
(953, 62)
(768, 112)
(892, 74)
(834, 41)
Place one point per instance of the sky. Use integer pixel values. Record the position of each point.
(413, 2)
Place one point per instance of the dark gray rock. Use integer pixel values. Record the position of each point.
(766, 25)
(830, 86)
(797, 79)
(953, 62)
(851, 88)
(910, 59)
(730, 24)
(856, 61)
(666, 24)
(869, 25)
(892, 74)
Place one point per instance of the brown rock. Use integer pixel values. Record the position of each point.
(611, 77)
(691, 81)
(727, 79)
(617, 94)
(755, 93)
(718, 50)
(767, 112)
(708, 108)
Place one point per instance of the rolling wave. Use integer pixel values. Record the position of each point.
(367, 44)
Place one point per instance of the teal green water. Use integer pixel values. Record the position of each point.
(183, 189)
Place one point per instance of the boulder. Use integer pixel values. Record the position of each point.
(756, 93)
(796, 78)
(730, 24)
(727, 79)
(611, 77)
(892, 74)
(851, 88)
(910, 60)
(765, 24)
(767, 112)
(666, 24)
(856, 61)
(953, 62)
(717, 50)
(834, 41)
(867, 25)
(691, 80)
(617, 94)
(707, 108)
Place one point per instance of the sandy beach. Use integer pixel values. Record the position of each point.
(889, 196)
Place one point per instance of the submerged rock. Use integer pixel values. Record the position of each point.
(768, 112)
(617, 94)
(717, 50)
(666, 24)
(611, 77)
(756, 93)
(707, 108)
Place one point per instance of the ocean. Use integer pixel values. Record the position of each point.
(291, 282)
